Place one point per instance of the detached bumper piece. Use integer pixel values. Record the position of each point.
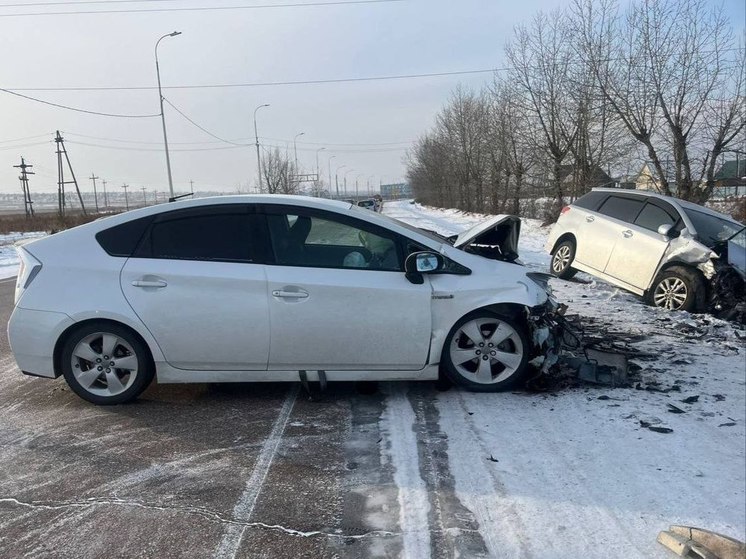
(695, 543)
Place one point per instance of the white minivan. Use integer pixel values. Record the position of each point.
(676, 254)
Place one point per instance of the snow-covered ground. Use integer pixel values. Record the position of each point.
(8, 257)
(577, 472)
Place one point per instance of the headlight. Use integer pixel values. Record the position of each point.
(541, 279)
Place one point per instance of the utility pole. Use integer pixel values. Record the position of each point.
(258, 157)
(155, 197)
(93, 177)
(61, 182)
(144, 199)
(163, 116)
(126, 202)
(27, 203)
(106, 200)
(191, 186)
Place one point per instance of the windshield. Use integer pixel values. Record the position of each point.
(710, 229)
(426, 232)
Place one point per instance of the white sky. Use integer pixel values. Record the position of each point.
(256, 45)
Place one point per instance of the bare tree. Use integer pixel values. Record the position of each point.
(662, 65)
(278, 171)
(541, 56)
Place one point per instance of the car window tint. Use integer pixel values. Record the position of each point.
(314, 241)
(625, 209)
(222, 237)
(651, 217)
(591, 200)
(121, 240)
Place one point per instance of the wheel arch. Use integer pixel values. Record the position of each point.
(700, 304)
(60, 343)
(564, 237)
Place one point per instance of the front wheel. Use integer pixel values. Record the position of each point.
(678, 289)
(562, 258)
(106, 364)
(486, 352)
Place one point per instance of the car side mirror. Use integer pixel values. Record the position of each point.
(419, 263)
(665, 229)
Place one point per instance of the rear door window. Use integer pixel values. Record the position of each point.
(221, 234)
(622, 208)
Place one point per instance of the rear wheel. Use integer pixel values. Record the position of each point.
(106, 363)
(678, 289)
(486, 352)
(562, 258)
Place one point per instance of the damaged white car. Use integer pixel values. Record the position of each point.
(676, 254)
(274, 288)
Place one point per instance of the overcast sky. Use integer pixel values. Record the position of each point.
(366, 125)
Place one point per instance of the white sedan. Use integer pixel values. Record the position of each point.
(262, 288)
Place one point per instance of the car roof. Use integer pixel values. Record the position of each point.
(682, 204)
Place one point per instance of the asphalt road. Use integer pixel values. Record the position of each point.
(253, 470)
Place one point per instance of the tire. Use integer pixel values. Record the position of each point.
(506, 365)
(678, 289)
(112, 385)
(562, 258)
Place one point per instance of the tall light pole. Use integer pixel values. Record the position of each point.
(336, 177)
(317, 162)
(330, 174)
(295, 149)
(356, 187)
(369, 181)
(258, 158)
(163, 116)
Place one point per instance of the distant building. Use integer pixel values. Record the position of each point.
(396, 191)
(730, 179)
(596, 177)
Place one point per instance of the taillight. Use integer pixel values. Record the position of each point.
(28, 270)
(565, 210)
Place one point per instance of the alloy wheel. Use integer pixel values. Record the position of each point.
(670, 293)
(486, 350)
(561, 259)
(104, 364)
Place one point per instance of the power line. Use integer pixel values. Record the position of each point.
(333, 144)
(25, 138)
(8, 148)
(83, 2)
(203, 8)
(76, 109)
(267, 84)
(126, 148)
(200, 127)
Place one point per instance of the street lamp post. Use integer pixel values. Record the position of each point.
(330, 175)
(256, 138)
(295, 149)
(345, 179)
(336, 177)
(357, 191)
(318, 172)
(163, 116)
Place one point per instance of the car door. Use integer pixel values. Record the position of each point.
(338, 296)
(639, 247)
(594, 233)
(196, 284)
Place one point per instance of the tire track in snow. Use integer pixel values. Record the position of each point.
(397, 427)
(244, 507)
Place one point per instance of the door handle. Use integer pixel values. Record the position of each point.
(590, 218)
(149, 283)
(289, 294)
(627, 234)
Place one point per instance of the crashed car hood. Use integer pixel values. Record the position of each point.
(495, 238)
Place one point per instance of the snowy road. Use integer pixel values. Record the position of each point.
(260, 471)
